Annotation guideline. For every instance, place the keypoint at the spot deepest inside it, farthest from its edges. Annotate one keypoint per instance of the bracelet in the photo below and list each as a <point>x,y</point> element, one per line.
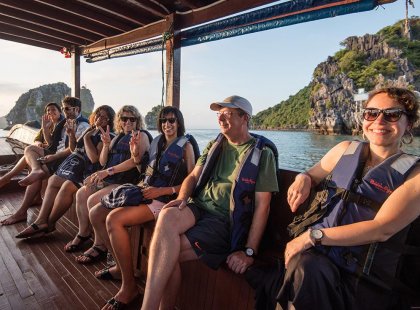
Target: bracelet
<point>110,171</point>
<point>173,190</point>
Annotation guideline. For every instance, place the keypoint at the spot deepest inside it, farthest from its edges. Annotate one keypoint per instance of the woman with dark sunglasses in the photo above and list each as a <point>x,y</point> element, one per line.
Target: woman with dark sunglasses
<point>172,158</point>
<point>118,168</point>
<point>349,252</point>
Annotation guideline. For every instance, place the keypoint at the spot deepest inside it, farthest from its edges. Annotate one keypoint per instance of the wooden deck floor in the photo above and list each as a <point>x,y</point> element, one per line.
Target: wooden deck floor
<point>38,274</point>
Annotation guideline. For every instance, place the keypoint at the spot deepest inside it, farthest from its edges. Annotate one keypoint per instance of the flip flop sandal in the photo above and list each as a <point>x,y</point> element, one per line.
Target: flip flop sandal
<point>91,258</point>
<point>119,305</point>
<point>69,248</point>
<point>104,274</point>
<point>36,231</point>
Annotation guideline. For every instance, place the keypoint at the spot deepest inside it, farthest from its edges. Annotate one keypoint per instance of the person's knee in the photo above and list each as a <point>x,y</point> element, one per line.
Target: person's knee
<point>54,181</point>
<point>169,219</point>
<point>96,214</point>
<point>112,222</point>
<point>312,266</point>
<point>81,195</point>
<point>91,202</point>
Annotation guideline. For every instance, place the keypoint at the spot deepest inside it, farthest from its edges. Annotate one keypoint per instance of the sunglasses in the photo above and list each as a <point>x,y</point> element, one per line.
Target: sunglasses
<point>227,114</point>
<point>124,119</point>
<point>68,108</point>
<point>171,120</point>
<point>390,115</point>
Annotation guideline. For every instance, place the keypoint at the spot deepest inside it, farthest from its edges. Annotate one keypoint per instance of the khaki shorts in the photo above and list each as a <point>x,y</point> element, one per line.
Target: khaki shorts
<point>156,206</point>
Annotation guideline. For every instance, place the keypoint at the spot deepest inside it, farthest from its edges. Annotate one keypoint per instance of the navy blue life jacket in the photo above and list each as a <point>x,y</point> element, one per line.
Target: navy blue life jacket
<point>119,151</point>
<point>352,198</point>
<point>166,167</point>
<point>243,189</point>
<point>56,134</point>
<point>81,150</point>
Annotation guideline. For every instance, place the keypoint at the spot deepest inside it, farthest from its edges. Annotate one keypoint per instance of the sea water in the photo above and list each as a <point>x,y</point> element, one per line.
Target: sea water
<point>298,150</point>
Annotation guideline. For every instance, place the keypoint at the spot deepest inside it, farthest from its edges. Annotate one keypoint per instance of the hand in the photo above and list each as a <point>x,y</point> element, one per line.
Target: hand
<point>135,143</point>
<point>238,262</point>
<point>296,246</point>
<point>46,122</point>
<point>152,192</point>
<point>178,203</point>
<point>70,126</point>
<point>299,191</point>
<point>105,137</point>
<point>47,159</point>
<point>96,178</point>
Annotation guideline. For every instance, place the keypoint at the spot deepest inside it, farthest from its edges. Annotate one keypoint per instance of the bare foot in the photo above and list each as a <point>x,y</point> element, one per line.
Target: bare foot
<point>13,219</point>
<point>35,175</point>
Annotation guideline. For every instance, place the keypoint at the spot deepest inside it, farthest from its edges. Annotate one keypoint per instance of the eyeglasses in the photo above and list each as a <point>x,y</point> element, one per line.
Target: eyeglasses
<point>68,108</point>
<point>390,115</point>
<point>171,120</point>
<point>124,119</point>
<point>228,114</point>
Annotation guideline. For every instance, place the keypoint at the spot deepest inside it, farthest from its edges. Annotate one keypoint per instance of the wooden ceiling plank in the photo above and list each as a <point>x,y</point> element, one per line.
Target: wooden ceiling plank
<point>126,13</point>
<point>159,13</point>
<point>43,22</point>
<point>187,20</point>
<point>42,30</point>
<point>7,29</point>
<point>58,16</point>
<point>220,10</point>
<point>31,42</point>
<point>140,34</point>
<point>87,12</point>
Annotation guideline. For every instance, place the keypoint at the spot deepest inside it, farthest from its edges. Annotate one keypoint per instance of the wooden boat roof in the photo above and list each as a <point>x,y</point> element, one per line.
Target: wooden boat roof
<point>96,25</point>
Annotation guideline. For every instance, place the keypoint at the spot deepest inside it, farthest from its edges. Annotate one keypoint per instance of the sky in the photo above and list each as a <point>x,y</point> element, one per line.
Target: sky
<point>265,67</point>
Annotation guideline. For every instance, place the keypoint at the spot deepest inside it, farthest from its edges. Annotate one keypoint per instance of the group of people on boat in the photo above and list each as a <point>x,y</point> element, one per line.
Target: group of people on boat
<point>355,243</point>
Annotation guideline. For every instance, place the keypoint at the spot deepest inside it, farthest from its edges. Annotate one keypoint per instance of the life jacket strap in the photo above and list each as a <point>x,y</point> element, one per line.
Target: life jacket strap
<point>349,196</point>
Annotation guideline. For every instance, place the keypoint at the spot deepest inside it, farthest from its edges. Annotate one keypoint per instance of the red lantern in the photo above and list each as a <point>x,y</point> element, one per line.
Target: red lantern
<point>66,52</point>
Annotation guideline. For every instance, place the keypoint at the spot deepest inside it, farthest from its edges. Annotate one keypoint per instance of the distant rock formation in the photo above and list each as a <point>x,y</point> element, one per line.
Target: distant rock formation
<point>333,108</point>
<point>30,105</point>
<point>372,61</point>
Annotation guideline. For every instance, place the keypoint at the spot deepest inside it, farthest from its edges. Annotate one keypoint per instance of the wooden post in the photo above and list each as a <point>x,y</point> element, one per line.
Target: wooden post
<point>173,65</point>
<point>75,66</point>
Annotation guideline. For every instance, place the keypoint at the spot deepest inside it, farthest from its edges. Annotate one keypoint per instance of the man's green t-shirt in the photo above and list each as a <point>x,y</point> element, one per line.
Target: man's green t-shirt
<point>215,196</point>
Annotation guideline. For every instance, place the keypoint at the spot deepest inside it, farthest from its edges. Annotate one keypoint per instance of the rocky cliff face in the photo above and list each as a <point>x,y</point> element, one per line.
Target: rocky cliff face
<point>30,105</point>
<point>333,109</point>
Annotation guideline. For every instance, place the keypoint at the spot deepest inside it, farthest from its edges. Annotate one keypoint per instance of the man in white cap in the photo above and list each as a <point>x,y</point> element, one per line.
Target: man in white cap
<point>204,222</point>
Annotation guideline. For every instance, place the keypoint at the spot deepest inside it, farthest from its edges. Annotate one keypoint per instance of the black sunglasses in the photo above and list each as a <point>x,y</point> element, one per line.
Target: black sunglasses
<point>124,119</point>
<point>171,120</point>
<point>390,115</point>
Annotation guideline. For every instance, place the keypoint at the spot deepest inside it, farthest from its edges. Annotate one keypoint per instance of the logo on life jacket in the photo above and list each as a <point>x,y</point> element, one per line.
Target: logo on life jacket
<point>248,180</point>
<point>172,154</point>
<point>380,186</point>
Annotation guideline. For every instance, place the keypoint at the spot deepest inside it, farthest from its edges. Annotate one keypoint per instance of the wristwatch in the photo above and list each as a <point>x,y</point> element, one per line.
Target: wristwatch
<point>316,236</point>
<point>249,252</point>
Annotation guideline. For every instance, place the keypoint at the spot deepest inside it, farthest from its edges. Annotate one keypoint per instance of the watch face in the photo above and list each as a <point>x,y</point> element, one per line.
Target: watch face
<point>317,234</point>
<point>249,252</point>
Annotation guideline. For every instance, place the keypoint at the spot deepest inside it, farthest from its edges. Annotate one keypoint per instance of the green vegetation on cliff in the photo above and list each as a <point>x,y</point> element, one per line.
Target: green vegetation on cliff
<point>291,113</point>
<point>151,117</point>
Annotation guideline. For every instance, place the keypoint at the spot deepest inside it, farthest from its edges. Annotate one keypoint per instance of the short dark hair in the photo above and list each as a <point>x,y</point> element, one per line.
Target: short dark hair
<point>403,96</point>
<point>52,104</point>
<point>179,118</point>
<point>73,102</point>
